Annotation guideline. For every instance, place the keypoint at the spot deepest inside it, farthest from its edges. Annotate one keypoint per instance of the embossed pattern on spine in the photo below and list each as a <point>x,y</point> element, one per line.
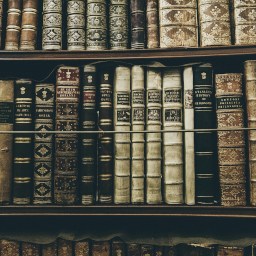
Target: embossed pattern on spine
<point>172,141</point>
<point>230,251</point>
<point>49,249</point>
<point>65,247</point>
<point>101,248</point>
<point>122,141</point>
<point>154,140</point>
<point>52,25</point>
<point>1,21</point>
<point>10,248</point>
<point>214,21</point>
<point>118,247</point>
<point>66,144</point>
<point>133,249</point>
<point>43,143</point>
<point>147,250</point>
<point>30,249</point>
<point>178,23</point>
<point>82,248</point>
<point>231,144</point>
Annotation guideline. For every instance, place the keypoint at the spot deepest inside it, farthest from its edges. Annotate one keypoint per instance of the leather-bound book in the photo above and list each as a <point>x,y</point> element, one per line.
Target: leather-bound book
<point>171,251</point>
<point>138,139</point>
<point>1,21</point>
<point>52,25</point>
<point>153,139</point>
<point>50,249</point>
<point>158,250</point>
<point>30,249</point>
<point>138,24</point>
<point>147,250</point>
<point>23,147</point>
<point>6,140</point>
<point>231,144</point>
<point>12,37</point>
<point>65,247</point>
<point>9,248</point>
<point>173,141</point>
<point>133,249</point>
<point>214,22</point>
<point>100,248</point>
<point>230,251</point>
<point>43,143</point>
<point>105,141</point>
<point>66,144</point>
<point>96,31</point>
<point>118,24</point>
<point>88,119</point>
<point>76,25</point>
<point>206,141</point>
<point>195,250</point>
<point>82,248</point>
<point>28,37</point>
<point>152,24</point>
<point>118,247</point>
<point>178,23</point>
<point>122,141</point>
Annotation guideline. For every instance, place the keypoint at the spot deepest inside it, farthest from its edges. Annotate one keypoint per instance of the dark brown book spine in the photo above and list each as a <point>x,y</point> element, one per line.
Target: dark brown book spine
<point>9,248</point>
<point>133,249</point>
<point>1,21</point>
<point>118,247</point>
<point>29,249</point>
<point>147,250</point>
<point>230,251</point>
<point>101,248</point>
<point>82,248</point>
<point>50,249</point>
<point>158,250</point>
<point>65,247</point>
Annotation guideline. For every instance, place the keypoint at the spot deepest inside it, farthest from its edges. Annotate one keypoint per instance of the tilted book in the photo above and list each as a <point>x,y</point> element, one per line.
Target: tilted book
<point>10,248</point>
<point>230,251</point>
<point>101,248</point>
<point>30,249</point>
<point>49,249</point>
<point>231,144</point>
<point>66,144</point>
<point>173,179</point>
<point>122,141</point>
<point>65,247</point>
<point>82,248</point>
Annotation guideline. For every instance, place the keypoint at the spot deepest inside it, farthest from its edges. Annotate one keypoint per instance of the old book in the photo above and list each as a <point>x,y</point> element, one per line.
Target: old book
<point>12,38</point>
<point>171,251</point>
<point>214,22</point>
<point>147,250</point>
<point>138,139</point>
<point>65,247</point>
<point>178,23</point>
<point>172,141</point>
<point>158,250</point>
<point>195,250</point>
<point>1,21</point>
<point>82,248</point>
<point>52,25</point>
<point>49,249</point>
<point>189,143</point>
<point>43,143</point>
<point>230,251</point>
<point>30,249</point>
<point>9,248</point>
<point>88,119</point>
<point>231,144</point>
<point>76,25</point>
<point>154,138</point>
<point>122,141</point>
<point>23,142</point>
<point>96,33</point>
<point>66,144</point>
<point>205,141</point>
<point>6,140</point>
<point>105,141</point>
<point>152,24</point>
<point>133,249</point>
<point>118,24</point>
<point>100,248</point>
<point>118,247</point>
<point>28,37</point>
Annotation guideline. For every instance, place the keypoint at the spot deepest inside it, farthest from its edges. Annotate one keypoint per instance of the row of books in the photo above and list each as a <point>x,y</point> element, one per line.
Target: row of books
<point>123,24</point>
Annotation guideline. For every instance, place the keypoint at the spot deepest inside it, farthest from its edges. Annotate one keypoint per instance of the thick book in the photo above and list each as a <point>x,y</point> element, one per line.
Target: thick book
<point>230,251</point>
<point>231,144</point>
<point>205,141</point>
<point>214,22</point>
<point>118,247</point>
<point>138,139</point>
<point>24,92</point>
<point>66,144</point>
<point>65,247</point>
<point>133,249</point>
<point>96,30</point>
<point>82,248</point>
<point>118,24</point>
<point>12,37</point>
<point>52,25</point>
<point>88,119</point>
<point>154,137</point>
<point>178,23</point>
<point>173,179</point>
<point>30,249</point>
<point>189,142</point>
<point>6,140</point>
<point>76,25</point>
<point>9,248</point>
<point>50,249</point>
<point>100,248</point>
<point>43,143</point>
<point>122,137</point>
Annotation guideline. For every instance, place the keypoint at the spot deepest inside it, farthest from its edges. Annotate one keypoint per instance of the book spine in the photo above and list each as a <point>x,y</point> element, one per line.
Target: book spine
<point>9,248</point>
<point>147,250</point>
<point>159,250</point>
<point>66,144</point>
<point>230,251</point>
<point>65,247</point>
<point>189,152</point>
<point>231,144</point>
<point>118,247</point>
<point>1,21</point>
<point>138,139</point>
<point>52,25</point>
<point>29,249</point>
<point>178,23</point>
<point>50,249</point>
<point>133,249</point>
<point>88,171</point>
<point>214,21</point>
<point>154,139</point>
<point>76,25</point>
<point>23,147</point>
<point>138,22</point>
<point>43,143</point>
<point>118,24</point>
<point>122,141</point>
<point>172,141</point>
<point>206,141</point>
<point>105,148</point>
<point>13,25</point>
<point>6,140</point>
<point>82,248</point>
<point>152,24</point>
<point>28,37</point>
<point>101,248</point>
<point>96,34</point>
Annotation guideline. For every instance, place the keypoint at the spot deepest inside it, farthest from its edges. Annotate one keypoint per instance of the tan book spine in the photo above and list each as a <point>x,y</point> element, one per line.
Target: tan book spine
<point>30,249</point>
<point>9,248</point>
<point>82,248</point>
<point>49,249</point>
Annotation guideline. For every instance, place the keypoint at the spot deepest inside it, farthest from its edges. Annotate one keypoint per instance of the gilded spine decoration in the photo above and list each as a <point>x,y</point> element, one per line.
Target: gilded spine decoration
<point>49,249</point>
<point>30,249</point>
<point>65,247</point>
<point>10,248</point>
<point>101,248</point>
<point>1,22</point>
<point>82,248</point>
